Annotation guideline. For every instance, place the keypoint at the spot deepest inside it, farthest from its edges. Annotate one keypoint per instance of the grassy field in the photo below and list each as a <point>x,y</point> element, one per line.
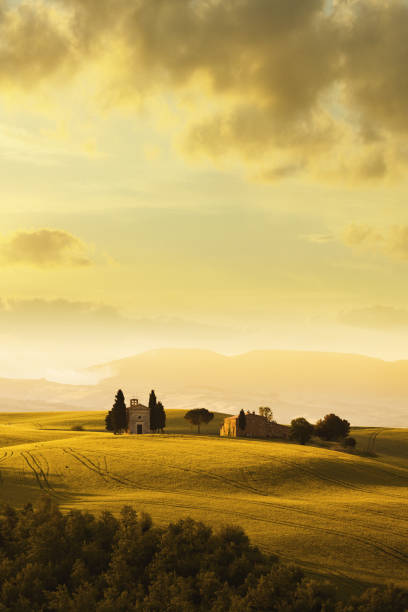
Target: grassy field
<point>341,515</point>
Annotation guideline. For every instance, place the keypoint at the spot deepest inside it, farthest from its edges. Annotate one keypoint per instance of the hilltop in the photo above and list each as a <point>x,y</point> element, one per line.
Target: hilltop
<point>365,390</point>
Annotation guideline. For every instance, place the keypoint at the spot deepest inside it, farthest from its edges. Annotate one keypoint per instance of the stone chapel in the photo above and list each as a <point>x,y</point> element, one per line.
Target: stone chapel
<point>138,418</point>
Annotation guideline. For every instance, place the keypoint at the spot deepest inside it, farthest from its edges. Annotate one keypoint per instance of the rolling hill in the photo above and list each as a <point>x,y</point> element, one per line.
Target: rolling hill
<point>304,503</point>
<point>364,390</point>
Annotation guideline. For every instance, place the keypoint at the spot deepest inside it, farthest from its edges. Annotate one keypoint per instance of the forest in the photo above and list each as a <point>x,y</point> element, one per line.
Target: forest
<point>50,561</point>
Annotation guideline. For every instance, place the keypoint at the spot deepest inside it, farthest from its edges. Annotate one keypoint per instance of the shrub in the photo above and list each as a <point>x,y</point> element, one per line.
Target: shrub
<point>77,428</point>
<point>349,442</point>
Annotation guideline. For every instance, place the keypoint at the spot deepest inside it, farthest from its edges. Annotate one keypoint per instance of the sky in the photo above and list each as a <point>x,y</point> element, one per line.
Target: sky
<point>229,175</point>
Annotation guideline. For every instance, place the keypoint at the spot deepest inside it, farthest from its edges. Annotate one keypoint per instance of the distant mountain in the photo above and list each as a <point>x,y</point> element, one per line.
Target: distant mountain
<point>365,390</point>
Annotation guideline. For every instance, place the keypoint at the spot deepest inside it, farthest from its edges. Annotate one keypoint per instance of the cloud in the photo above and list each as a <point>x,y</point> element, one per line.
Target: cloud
<point>37,314</point>
<point>34,44</point>
<point>320,238</point>
<point>285,87</point>
<point>37,309</point>
<point>44,248</point>
<point>53,330</point>
<point>391,242</point>
<point>376,44</point>
<point>51,321</point>
<point>375,317</point>
<point>360,235</point>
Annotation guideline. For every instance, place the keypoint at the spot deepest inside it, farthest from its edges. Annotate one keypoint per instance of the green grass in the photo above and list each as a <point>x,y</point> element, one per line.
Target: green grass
<point>338,514</point>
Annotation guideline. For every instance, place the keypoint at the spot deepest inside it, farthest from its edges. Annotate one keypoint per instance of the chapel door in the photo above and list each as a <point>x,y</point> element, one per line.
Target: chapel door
<point>139,428</point>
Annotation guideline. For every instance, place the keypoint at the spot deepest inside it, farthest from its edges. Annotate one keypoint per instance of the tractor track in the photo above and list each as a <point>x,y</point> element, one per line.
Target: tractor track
<point>280,506</point>
<point>373,438</point>
<point>90,465</point>
<point>41,477</point>
<point>108,476</point>
<point>33,470</point>
<point>6,455</point>
<point>251,489</point>
<point>385,549</point>
<point>104,473</point>
<point>126,481</point>
<point>340,483</point>
<point>235,483</point>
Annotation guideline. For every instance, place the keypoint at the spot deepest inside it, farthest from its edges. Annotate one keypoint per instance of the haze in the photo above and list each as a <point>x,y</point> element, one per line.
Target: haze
<point>227,175</point>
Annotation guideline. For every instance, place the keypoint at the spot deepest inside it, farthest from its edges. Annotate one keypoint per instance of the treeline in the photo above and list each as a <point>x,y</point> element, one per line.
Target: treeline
<point>54,562</point>
<point>330,428</point>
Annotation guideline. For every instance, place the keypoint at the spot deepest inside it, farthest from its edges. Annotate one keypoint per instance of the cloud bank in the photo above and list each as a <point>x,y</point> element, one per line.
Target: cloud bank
<point>285,87</point>
<point>44,248</point>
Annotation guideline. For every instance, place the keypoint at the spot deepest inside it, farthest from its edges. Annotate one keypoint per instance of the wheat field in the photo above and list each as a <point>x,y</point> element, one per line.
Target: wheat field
<point>340,515</point>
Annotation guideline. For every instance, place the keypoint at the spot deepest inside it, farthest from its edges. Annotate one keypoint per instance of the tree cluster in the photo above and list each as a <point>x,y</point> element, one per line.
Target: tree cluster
<point>157,414</point>
<point>116,419</point>
<point>54,562</point>
<point>331,427</point>
<point>197,416</point>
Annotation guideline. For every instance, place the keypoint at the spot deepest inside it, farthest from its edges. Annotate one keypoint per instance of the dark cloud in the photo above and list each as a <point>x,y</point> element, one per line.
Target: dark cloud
<point>375,46</point>
<point>33,45</point>
<point>281,78</point>
<point>43,248</point>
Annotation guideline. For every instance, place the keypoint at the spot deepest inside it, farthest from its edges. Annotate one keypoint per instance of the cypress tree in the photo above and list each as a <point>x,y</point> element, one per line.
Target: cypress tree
<point>153,411</point>
<point>109,421</point>
<point>161,417</point>
<point>242,420</point>
<point>119,416</point>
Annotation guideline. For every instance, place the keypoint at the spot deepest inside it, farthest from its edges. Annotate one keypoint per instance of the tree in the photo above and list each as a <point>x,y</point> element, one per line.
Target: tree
<point>161,417</point>
<point>266,412</point>
<point>153,411</point>
<point>242,420</point>
<point>198,416</point>
<point>332,427</point>
<point>301,430</point>
<point>108,421</point>
<point>118,413</point>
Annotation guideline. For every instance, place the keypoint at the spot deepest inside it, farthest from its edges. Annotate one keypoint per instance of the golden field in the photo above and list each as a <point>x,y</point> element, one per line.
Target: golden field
<point>337,514</point>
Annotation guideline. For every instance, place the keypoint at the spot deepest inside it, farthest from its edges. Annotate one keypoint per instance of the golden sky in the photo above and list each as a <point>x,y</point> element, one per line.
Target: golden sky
<point>224,174</point>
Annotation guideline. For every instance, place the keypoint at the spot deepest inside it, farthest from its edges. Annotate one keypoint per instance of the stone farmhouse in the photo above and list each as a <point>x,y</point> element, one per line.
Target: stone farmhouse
<point>257,426</point>
<point>138,418</point>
